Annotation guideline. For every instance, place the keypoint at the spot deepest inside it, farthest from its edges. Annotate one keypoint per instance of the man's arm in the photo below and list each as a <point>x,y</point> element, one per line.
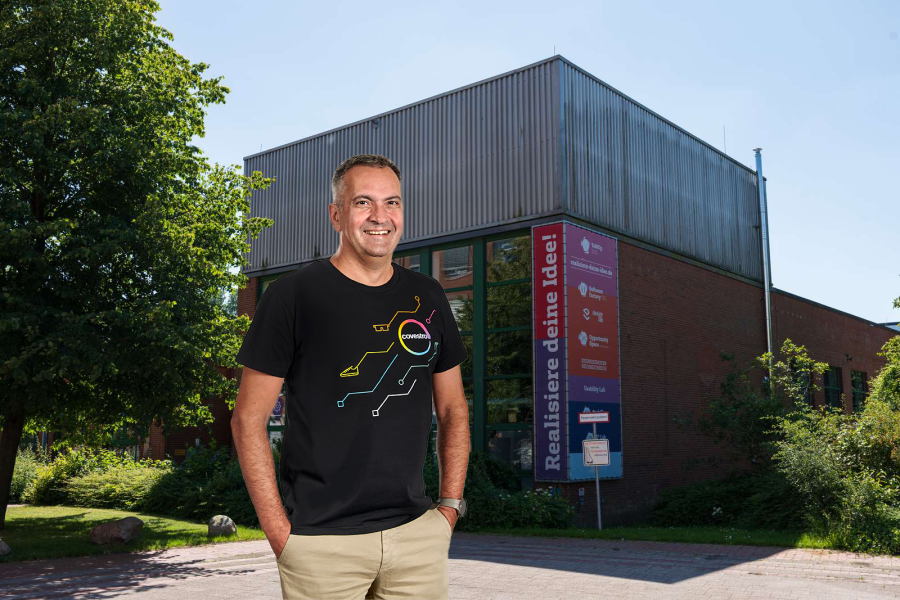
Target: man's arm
<point>256,399</point>
<point>452,413</point>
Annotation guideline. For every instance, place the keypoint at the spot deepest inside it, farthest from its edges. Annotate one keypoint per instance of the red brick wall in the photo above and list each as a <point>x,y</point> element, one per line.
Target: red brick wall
<point>674,320</point>
<point>830,337</point>
<point>247,297</point>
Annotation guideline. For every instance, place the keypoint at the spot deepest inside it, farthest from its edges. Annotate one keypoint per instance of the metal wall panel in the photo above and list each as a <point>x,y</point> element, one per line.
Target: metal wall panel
<point>628,169</point>
<point>543,138</point>
<point>470,158</point>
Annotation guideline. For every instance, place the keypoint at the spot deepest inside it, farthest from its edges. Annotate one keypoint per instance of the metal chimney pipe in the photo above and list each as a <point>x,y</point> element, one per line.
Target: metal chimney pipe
<point>767,276</point>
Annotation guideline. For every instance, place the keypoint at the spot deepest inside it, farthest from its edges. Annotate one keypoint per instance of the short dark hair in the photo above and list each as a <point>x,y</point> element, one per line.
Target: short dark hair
<point>369,160</point>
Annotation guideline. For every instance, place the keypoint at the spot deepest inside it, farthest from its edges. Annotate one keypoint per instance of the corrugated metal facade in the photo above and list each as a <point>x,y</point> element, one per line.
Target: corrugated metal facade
<point>479,155</point>
<point>493,152</point>
<point>628,169</point>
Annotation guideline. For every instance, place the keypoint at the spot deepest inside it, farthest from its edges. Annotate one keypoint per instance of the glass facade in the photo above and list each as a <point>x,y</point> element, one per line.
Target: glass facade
<point>487,281</point>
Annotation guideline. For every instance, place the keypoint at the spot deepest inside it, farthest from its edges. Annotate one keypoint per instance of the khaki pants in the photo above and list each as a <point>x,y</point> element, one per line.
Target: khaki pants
<point>408,561</point>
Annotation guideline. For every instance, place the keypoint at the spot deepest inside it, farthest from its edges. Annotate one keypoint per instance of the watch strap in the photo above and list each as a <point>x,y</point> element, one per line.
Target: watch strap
<point>453,503</point>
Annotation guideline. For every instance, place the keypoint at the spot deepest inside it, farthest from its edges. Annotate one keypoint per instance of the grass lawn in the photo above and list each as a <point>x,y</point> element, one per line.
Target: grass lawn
<point>698,535</point>
<point>57,531</point>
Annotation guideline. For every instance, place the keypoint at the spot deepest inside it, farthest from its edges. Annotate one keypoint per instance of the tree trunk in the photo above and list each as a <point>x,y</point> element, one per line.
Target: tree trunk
<point>9,446</point>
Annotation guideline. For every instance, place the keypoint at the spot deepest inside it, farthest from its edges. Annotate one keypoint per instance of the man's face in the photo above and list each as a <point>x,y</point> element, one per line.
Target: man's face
<point>372,203</point>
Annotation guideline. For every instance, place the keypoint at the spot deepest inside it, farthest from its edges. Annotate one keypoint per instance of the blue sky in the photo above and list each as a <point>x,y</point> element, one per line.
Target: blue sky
<point>815,84</point>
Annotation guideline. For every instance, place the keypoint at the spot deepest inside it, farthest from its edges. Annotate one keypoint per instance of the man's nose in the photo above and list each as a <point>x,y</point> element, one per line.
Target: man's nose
<point>379,214</point>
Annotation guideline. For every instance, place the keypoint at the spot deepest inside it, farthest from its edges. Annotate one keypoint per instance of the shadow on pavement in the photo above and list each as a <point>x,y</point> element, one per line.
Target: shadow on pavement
<point>110,575</point>
<point>658,562</point>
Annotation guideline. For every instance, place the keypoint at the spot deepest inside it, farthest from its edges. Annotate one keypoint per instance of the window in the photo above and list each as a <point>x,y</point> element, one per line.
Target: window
<point>509,258</point>
<point>265,283</point>
<point>508,384</point>
<point>858,382</point>
<point>454,268</point>
<point>832,387</point>
<point>803,380</point>
<point>810,398</point>
<point>410,261</point>
<point>454,264</point>
<point>514,447</point>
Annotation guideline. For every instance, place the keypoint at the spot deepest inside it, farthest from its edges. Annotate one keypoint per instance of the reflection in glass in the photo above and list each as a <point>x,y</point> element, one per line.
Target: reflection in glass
<point>411,262</point>
<point>509,352</point>
<point>469,389</point>
<point>509,258</point>
<point>465,368</point>
<point>463,308</point>
<point>266,282</point>
<point>509,305</point>
<point>512,447</point>
<point>509,400</point>
<point>453,267</point>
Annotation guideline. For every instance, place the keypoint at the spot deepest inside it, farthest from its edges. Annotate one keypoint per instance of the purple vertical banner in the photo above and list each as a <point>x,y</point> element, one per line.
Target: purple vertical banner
<point>592,331</point>
<point>551,450</point>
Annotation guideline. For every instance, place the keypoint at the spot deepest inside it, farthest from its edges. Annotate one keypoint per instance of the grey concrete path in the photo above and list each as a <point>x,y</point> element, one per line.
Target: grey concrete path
<point>486,566</point>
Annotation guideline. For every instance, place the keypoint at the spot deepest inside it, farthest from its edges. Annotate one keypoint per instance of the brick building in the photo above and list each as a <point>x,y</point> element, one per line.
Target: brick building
<point>549,143</point>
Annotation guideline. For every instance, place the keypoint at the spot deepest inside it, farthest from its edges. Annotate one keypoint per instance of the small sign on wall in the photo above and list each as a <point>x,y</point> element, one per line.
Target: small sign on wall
<point>279,407</point>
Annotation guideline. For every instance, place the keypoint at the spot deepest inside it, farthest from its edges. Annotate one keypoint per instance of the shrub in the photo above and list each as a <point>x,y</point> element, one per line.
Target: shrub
<point>123,487</point>
<point>846,468</point>
<point>208,482</point>
<point>493,494</point>
<point>755,500</point>
<point>50,484</point>
<point>28,463</point>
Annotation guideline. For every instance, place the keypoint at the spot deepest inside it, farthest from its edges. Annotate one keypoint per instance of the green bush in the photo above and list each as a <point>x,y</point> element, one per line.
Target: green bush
<point>123,487</point>
<point>207,483</point>
<point>28,463</point>
<point>749,500</point>
<point>50,486</point>
<point>846,469</point>
<point>494,495</point>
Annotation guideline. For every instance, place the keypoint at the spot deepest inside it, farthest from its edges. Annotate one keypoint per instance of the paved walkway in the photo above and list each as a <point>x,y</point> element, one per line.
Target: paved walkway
<point>486,567</point>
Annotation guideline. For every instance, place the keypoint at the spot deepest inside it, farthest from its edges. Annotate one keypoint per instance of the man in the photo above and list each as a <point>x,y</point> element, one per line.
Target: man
<point>364,346</point>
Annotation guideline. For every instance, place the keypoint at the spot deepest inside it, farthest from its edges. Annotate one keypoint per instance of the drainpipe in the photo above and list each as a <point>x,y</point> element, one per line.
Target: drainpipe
<point>767,282</point>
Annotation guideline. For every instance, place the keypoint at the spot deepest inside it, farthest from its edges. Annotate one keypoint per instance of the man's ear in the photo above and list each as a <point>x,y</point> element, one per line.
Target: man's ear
<point>334,216</point>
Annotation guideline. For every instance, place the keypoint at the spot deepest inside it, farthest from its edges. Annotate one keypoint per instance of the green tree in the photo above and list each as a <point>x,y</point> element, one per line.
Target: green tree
<point>117,237</point>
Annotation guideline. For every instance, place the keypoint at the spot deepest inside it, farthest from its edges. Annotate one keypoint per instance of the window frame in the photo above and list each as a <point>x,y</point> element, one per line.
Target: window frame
<point>833,386</point>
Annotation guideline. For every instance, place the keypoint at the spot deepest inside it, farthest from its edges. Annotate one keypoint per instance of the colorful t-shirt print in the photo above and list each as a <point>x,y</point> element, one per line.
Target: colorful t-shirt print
<point>357,362</point>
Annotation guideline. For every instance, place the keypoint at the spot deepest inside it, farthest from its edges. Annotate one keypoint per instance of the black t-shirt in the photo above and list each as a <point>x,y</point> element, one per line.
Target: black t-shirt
<point>357,362</point>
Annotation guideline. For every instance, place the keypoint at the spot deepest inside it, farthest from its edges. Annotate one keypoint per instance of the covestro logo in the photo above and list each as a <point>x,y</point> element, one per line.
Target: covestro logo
<point>413,334</point>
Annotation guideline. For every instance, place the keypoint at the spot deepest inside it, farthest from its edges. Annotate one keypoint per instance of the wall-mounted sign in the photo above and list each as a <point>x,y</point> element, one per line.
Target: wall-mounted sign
<point>575,300</point>
<point>279,407</point>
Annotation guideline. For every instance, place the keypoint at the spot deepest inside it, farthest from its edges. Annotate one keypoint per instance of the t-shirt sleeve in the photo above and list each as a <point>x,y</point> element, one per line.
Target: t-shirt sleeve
<point>452,351</point>
<point>269,344</point>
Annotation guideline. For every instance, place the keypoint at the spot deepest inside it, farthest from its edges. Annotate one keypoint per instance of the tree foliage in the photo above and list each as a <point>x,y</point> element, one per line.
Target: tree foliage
<point>117,236</point>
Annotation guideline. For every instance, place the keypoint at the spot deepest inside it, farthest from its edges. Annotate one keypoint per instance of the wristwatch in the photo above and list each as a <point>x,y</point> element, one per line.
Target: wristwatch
<point>458,504</point>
